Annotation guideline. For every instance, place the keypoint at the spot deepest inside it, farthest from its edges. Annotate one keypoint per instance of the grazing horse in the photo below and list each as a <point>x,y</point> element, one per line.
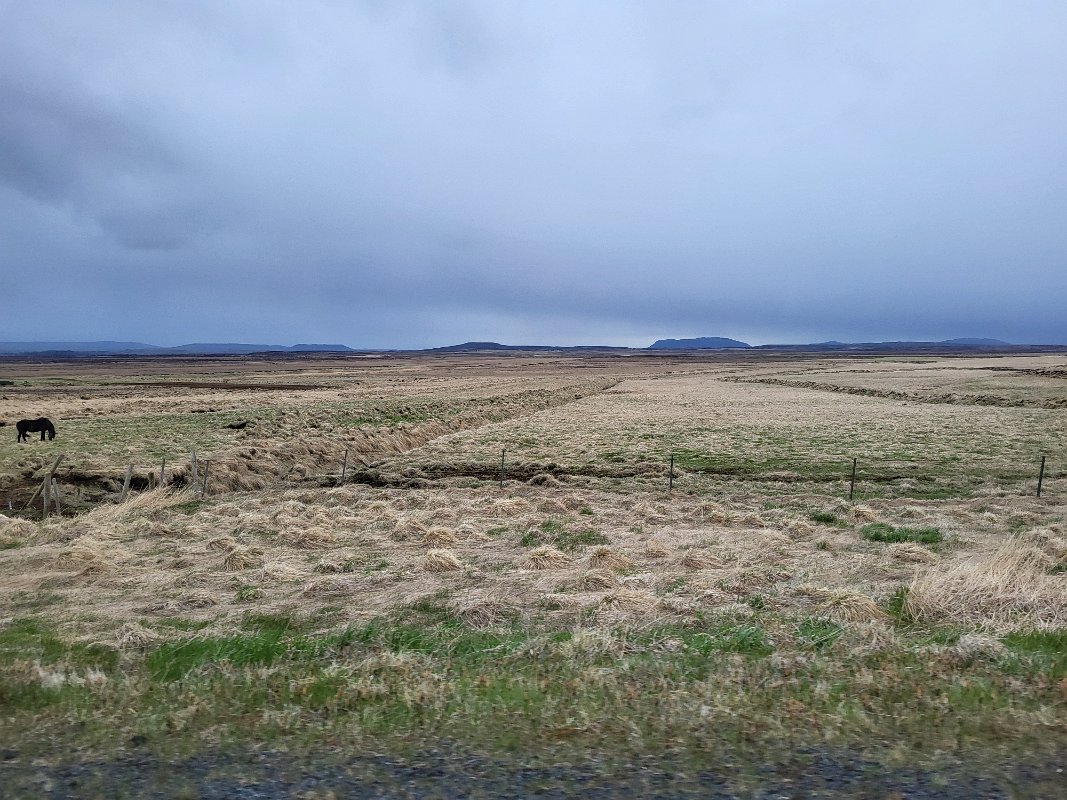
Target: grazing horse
<point>42,424</point>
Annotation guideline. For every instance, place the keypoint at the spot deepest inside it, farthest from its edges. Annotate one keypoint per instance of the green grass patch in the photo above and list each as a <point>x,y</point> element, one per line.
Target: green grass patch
<point>825,518</point>
<point>883,532</point>
<point>1048,649</point>
<point>555,533</point>
<point>818,632</point>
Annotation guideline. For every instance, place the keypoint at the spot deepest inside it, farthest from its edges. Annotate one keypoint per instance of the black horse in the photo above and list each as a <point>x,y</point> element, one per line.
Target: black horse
<point>43,424</point>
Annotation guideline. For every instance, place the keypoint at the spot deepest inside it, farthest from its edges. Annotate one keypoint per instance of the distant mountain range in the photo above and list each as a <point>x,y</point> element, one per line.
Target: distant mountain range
<point>76,349</point>
<point>718,343</point>
<point>140,348</point>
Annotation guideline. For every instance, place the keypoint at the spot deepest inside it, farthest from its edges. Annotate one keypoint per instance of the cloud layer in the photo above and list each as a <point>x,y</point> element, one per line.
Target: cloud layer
<point>414,174</point>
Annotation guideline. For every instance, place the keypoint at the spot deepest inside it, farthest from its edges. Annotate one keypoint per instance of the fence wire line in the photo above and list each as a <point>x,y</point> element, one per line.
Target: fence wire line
<point>672,470</point>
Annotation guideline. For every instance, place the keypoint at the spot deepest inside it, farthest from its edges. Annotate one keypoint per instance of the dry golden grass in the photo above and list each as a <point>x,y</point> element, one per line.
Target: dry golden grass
<point>606,558</point>
<point>545,557</point>
<point>718,540</point>
<point>631,600</point>
<point>911,552</point>
<point>438,536</point>
<point>441,561</point>
<point>1005,589</point>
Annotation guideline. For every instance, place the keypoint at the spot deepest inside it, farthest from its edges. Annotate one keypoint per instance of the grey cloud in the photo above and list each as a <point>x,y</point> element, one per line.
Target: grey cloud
<point>412,173</point>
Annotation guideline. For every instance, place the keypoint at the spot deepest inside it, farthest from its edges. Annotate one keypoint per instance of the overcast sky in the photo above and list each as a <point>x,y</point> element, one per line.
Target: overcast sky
<point>395,174</point>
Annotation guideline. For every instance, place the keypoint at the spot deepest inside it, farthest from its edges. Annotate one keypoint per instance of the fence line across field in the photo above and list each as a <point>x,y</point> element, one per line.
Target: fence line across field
<point>50,492</point>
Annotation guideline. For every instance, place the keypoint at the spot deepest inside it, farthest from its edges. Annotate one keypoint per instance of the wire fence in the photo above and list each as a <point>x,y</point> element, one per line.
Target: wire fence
<point>681,469</point>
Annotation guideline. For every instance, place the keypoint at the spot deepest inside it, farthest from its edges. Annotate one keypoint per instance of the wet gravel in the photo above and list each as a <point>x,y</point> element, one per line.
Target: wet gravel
<point>271,776</point>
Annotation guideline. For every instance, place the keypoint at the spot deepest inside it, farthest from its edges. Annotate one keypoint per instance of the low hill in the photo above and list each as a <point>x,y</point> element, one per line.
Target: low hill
<point>140,348</point>
<point>700,343</point>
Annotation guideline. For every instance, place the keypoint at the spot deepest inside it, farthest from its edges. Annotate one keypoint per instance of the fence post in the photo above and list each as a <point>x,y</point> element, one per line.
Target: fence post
<point>852,483</point>
<point>344,466</point>
<point>46,499</point>
<point>502,467</point>
<point>207,469</point>
<point>55,495</point>
<point>670,476</point>
<point>1041,476</point>
<point>192,457</point>
<point>162,470</point>
<point>126,483</point>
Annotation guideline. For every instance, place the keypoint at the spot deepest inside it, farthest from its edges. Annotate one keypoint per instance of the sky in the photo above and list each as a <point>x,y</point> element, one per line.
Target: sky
<point>411,174</point>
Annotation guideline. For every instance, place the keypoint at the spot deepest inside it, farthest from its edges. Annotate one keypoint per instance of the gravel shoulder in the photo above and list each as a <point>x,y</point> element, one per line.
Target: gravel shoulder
<point>276,775</point>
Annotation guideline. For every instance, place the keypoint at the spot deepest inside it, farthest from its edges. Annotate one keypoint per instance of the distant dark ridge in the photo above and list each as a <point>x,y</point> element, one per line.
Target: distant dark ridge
<point>700,343</point>
<point>947,344</point>
<point>474,347</point>
<point>75,347</point>
<point>68,349</point>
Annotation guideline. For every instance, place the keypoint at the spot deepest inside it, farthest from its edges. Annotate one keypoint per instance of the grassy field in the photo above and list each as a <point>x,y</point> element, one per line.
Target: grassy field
<point>578,610</point>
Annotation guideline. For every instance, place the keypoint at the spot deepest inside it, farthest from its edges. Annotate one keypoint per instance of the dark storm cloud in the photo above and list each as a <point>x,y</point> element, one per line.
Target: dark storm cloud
<point>419,173</point>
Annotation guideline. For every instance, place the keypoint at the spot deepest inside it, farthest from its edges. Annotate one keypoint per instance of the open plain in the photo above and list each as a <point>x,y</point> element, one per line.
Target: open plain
<point>539,559</point>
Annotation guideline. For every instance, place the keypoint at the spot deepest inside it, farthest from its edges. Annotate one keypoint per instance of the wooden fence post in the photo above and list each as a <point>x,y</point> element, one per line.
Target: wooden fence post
<point>192,457</point>
<point>126,483</point>
<point>46,499</point>
<point>162,470</point>
<point>55,495</point>
<point>852,483</point>
<point>344,466</point>
<point>670,476</point>
<point>1041,476</point>
<point>207,470</point>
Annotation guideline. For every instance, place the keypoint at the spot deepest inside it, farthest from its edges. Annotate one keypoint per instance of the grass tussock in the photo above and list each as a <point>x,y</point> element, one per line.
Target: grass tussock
<point>481,609</point>
<point>846,605</point>
<point>639,601</point>
<point>1007,589</point>
<point>545,557</point>
<point>134,636</point>
<point>439,536</point>
<point>441,561</point>
<point>592,580</point>
<point>240,558</point>
<point>694,559</point>
<point>606,558</point>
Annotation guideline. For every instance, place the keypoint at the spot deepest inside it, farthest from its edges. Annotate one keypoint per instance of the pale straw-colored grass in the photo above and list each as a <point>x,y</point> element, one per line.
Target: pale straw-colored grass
<point>545,557</point>
<point>912,552</point>
<point>441,561</point>
<point>606,558</point>
<point>1006,589</point>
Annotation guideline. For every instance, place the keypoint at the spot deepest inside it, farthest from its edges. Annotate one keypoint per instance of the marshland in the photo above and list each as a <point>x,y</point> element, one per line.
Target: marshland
<point>541,559</point>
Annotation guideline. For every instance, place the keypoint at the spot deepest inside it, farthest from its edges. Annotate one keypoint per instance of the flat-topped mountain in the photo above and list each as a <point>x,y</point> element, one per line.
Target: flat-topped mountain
<point>700,343</point>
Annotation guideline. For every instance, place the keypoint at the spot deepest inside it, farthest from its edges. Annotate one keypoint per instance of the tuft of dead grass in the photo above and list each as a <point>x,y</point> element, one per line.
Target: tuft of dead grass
<point>606,558</point>
<point>441,561</point>
<point>848,605</point>
<point>1003,590</point>
<point>134,636</point>
<point>546,557</point>
<point>313,537</point>
<point>240,558</point>
<point>913,553</point>
<point>593,580</point>
<point>439,536</point>
<point>694,559</point>
<point>630,600</point>
<point>481,609</point>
